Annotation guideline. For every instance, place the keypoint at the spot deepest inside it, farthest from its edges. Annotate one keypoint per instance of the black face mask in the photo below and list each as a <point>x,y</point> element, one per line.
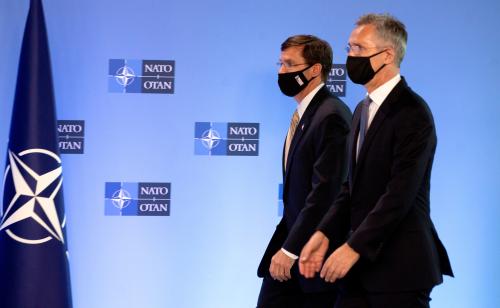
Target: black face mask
<point>360,69</point>
<point>292,83</point>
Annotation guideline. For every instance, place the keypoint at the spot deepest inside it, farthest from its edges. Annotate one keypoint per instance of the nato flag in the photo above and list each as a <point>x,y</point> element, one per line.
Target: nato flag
<point>34,270</point>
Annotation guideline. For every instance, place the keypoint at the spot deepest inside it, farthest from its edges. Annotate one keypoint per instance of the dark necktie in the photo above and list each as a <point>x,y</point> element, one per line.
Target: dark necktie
<point>363,123</point>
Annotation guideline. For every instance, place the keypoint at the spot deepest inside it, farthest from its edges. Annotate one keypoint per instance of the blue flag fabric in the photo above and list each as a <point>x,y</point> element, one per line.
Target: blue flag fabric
<point>34,271</point>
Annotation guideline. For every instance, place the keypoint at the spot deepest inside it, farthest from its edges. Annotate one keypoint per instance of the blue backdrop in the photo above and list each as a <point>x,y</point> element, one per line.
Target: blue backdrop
<point>224,208</point>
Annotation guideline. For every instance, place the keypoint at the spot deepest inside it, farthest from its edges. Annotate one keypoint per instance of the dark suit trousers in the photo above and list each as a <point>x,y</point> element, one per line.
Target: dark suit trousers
<point>414,299</point>
<point>353,295</point>
<point>288,294</point>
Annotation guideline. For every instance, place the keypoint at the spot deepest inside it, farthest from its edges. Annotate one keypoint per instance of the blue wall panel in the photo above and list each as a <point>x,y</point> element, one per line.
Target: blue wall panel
<point>224,208</point>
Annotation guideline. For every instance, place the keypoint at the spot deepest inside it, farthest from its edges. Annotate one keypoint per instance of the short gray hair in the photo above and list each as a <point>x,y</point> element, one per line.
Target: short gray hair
<point>389,29</point>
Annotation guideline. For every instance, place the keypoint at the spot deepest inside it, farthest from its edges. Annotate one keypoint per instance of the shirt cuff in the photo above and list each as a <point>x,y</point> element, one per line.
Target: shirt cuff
<point>289,254</point>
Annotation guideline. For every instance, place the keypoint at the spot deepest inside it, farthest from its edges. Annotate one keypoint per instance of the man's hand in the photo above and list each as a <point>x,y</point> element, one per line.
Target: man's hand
<point>313,254</point>
<point>339,263</point>
<point>280,266</point>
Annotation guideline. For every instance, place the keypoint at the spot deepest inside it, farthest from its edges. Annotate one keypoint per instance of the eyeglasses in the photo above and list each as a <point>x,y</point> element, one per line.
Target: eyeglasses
<point>288,65</point>
<point>357,49</point>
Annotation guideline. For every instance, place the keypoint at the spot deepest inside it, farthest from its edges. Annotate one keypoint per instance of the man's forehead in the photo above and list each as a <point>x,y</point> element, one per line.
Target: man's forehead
<point>362,33</point>
<point>292,52</point>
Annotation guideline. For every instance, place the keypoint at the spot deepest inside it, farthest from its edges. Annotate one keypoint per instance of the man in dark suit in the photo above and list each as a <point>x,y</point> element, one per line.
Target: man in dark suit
<point>391,254</point>
<point>314,164</point>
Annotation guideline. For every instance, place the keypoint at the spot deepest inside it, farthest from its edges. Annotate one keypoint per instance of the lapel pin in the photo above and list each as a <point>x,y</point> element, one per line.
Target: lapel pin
<point>302,127</point>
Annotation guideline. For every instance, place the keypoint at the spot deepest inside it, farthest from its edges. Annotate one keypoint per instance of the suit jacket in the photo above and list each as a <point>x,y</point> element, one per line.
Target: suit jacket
<point>386,198</point>
<point>316,168</point>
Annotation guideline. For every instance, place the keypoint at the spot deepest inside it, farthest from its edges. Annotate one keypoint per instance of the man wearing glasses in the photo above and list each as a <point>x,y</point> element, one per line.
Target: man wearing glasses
<point>392,256</point>
<point>314,167</point>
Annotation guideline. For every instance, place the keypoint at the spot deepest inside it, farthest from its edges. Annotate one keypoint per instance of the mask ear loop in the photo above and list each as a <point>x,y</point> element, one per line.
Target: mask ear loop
<point>380,68</point>
<point>307,69</point>
<point>376,55</point>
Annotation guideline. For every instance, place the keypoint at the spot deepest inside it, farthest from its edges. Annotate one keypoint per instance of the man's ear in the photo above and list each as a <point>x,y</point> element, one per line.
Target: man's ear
<point>390,56</point>
<point>316,69</point>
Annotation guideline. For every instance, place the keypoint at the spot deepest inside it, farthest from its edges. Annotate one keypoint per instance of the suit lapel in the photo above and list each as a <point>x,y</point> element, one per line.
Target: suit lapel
<point>303,125</point>
<point>283,159</point>
<point>372,131</point>
<point>377,121</point>
<point>354,142</point>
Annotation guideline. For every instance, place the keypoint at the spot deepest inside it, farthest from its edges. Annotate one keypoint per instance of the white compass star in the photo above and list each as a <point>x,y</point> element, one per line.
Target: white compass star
<point>125,76</point>
<point>27,210</point>
<point>210,139</point>
<point>121,199</point>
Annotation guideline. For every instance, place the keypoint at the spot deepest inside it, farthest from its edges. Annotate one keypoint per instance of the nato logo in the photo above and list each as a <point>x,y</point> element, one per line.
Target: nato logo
<point>280,200</point>
<point>30,214</point>
<point>137,199</point>
<point>141,76</point>
<point>336,81</point>
<point>71,136</point>
<point>231,139</point>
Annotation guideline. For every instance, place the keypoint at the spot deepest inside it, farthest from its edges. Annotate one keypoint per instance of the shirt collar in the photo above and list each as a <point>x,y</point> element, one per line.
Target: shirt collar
<point>302,106</point>
<point>379,95</point>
